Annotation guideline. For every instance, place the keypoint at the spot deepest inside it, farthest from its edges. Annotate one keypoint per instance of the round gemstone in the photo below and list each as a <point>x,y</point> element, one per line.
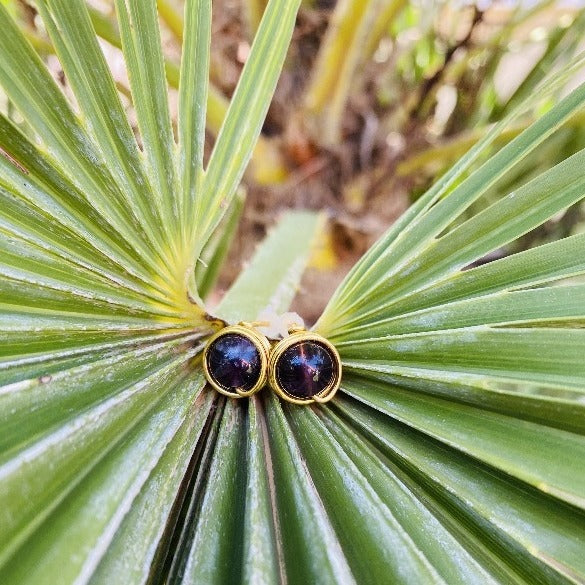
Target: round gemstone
<point>305,369</point>
<point>234,362</point>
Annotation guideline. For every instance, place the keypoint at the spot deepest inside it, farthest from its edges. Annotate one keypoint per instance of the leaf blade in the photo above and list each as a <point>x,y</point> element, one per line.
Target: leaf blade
<point>245,116</point>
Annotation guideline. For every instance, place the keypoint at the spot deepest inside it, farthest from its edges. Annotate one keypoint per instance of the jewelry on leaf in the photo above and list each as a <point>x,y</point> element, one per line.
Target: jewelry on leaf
<point>304,368</point>
<point>235,360</point>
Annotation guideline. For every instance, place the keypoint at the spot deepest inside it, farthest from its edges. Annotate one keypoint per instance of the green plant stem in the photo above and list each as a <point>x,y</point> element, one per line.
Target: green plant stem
<point>213,255</point>
<point>272,278</point>
<point>354,25</point>
<point>253,10</point>
<point>171,18</point>
<point>562,44</point>
<point>483,104</point>
<point>446,152</point>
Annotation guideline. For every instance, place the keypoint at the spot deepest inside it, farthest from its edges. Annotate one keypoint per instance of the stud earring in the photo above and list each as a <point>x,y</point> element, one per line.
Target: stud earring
<point>304,368</point>
<point>235,360</point>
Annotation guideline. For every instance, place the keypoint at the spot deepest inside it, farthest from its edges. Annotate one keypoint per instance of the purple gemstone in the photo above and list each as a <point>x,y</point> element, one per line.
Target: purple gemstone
<point>233,362</point>
<point>305,369</point>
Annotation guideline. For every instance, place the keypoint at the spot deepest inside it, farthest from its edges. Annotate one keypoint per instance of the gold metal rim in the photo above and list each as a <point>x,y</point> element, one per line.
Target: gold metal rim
<point>300,336</point>
<point>262,345</point>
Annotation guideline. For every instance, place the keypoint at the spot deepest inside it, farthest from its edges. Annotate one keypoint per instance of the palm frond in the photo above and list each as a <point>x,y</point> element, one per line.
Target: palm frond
<point>452,452</point>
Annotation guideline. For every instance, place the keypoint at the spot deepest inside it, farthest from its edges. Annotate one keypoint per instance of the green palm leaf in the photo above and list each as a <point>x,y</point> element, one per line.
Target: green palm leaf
<point>453,452</point>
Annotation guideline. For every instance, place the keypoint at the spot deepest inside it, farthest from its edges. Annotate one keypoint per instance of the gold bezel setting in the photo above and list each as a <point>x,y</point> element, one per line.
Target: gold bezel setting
<point>299,337</point>
<point>258,340</point>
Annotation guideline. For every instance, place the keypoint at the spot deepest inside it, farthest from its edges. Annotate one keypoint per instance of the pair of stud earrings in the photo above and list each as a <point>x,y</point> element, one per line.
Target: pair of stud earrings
<point>301,368</point>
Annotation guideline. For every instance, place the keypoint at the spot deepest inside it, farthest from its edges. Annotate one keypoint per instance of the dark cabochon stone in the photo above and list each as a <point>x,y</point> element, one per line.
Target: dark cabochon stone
<point>233,362</point>
<point>305,369</point>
